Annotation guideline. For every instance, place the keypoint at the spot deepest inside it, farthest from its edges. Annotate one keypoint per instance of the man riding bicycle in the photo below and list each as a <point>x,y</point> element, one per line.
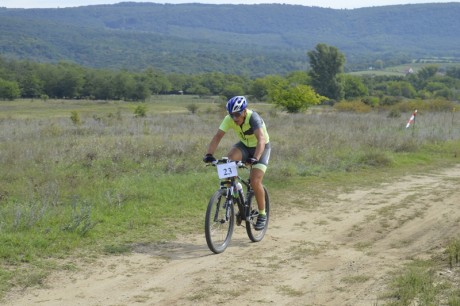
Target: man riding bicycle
<point>253,147</point>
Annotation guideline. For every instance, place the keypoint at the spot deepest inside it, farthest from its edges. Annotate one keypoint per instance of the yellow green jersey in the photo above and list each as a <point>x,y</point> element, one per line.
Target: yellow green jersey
<point>245,132</point>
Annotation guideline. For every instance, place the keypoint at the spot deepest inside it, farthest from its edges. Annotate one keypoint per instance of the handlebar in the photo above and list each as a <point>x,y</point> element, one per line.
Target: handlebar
<point>225,160</point>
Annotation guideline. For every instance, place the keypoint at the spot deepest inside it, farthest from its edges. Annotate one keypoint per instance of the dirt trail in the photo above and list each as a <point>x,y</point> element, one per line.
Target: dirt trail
<point>338,253</point>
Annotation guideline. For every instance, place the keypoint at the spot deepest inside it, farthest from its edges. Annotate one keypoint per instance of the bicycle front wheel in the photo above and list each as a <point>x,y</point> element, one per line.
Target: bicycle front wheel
<point>219,222</point>
<point>254,235</point>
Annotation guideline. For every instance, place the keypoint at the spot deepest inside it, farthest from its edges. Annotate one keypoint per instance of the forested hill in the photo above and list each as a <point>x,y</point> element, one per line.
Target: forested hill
<point>242,39</point>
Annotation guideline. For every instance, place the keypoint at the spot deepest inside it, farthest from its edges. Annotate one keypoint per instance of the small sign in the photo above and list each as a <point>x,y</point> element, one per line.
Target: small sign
<point>227,170</point>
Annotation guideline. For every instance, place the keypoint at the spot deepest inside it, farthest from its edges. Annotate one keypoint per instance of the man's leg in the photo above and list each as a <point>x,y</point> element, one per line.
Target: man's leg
<point>235,154</point>
<point>257,176</point>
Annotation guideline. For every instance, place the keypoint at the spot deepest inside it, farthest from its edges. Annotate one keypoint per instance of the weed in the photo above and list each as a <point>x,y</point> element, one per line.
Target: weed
<point>117,249</point>
<point>75,118</point>
<point>375,159</point>
<point>192,108</point>
<point>453,251</point>
<point>81,222</point>
<point>140,111</point>
<point>454,299</point>
<point>289,291</point>
<point>415,283</point>
<point>394,113</point>
<point>356,279</point>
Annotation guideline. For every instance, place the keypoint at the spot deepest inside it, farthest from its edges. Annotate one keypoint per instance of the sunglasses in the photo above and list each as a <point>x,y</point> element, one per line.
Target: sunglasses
<point>236,114</point>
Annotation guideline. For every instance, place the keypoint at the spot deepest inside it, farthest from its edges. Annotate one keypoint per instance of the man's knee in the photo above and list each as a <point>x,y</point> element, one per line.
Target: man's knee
<point>235,154</point>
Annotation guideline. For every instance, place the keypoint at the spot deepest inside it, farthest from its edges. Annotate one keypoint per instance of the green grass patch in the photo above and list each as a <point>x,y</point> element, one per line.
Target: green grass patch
<point>415,285</point>
<point>427,282</point>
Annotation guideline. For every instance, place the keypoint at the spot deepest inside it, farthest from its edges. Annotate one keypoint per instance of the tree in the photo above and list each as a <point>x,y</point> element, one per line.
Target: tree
<point>353,87</point>
<point>453,72</point>
<point>98,85</point>
<point>30,86</point>
<point>427,72</point>
<point>326,64</point>
<point>232,90</point>
<point>400,88</point>
<point>299,78</point>
<point>294,98</point>
<point>157,81</point>
<point>199,90</point>
<point>259,87</point>
<point>9,90</point>
<point>379,64</point>
<point>214,82</point>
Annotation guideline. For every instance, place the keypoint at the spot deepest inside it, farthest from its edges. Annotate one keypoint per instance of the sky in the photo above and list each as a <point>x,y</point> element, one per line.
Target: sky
<point>335,4</point>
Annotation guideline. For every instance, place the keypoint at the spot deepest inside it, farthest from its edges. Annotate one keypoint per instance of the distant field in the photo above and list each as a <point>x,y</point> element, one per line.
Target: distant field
<point>28,108</point>
<point>402,70</point>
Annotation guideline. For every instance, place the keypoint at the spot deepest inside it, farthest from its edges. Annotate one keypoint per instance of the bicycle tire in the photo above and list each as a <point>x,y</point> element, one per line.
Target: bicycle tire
<point>254,235</point>
<point>217,230</point>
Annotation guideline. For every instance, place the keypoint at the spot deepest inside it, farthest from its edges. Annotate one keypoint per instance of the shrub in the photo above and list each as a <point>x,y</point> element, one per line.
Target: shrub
<point>9,90</point>
<point>387,100</point>
<point>140,111</point>
<point>426,105</point>
<point>75,117</point>
<point>375,159</point>
<point>453,251</point>
<point>394,113</point>
<point>352,106</point>
<point>192,108</point>
<point>372,101</point>
<point>441,105</point>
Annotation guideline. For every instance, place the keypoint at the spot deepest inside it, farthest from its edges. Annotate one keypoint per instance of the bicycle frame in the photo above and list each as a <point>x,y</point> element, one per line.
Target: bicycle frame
<point>233,195</point>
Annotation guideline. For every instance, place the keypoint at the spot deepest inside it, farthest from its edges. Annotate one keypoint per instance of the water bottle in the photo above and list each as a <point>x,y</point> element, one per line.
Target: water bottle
<point>239,187</point>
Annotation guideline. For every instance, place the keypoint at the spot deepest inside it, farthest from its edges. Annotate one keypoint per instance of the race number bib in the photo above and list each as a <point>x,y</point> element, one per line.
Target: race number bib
<point>227,170</point>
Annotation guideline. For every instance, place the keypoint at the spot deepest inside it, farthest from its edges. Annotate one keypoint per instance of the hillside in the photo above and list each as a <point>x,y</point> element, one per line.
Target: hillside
<point>242,39</point>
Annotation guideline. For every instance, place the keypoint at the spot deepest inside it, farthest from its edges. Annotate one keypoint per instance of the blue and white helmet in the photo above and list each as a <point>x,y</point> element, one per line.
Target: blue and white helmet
<point>236,104</point>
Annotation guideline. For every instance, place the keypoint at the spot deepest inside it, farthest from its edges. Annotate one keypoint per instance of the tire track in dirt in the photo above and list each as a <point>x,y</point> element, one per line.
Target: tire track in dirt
<point>339,252</point>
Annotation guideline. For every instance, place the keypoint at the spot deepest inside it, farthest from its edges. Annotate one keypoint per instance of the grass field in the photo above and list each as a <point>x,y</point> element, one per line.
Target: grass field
<point>110,179</point>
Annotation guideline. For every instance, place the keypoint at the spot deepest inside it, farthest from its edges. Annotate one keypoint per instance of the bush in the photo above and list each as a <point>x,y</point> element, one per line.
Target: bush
<point>387,100</point>
<point>140,111</point>
<point>371,101</point>
<point>441,105</point>
<point>192,108</point>
<point>352,106</point>
<point>394,113</point>
<point>9,90</point>
<point>75,117</point>
<point>437,105</point>
<point>375,159</point>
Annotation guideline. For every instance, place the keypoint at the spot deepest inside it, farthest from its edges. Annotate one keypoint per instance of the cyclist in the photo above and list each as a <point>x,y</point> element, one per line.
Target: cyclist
<point>253,147</point>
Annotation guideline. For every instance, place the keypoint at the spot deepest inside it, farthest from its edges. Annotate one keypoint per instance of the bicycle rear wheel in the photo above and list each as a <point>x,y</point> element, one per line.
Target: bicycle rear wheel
<point>254,235</point>
<point>218,227</point>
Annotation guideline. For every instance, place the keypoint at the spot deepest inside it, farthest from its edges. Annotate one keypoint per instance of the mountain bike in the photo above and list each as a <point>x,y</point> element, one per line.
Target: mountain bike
<point>230,202</point>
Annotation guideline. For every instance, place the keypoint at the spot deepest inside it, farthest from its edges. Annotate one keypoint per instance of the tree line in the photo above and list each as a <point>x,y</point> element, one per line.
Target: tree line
<point>323,81</point>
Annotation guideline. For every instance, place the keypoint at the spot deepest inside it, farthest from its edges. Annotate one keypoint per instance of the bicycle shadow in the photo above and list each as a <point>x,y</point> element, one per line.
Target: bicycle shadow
<point>178,250</point>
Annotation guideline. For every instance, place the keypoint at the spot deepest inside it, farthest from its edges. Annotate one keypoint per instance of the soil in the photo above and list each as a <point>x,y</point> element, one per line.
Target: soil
<point>340,251</point>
